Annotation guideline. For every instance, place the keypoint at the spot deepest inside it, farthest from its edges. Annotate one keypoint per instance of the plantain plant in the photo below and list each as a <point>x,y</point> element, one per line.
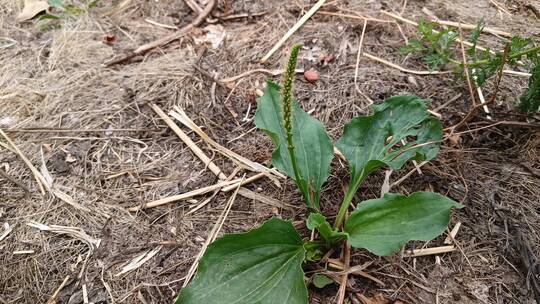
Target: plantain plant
<point>437,49</point>
<point>264,265</point>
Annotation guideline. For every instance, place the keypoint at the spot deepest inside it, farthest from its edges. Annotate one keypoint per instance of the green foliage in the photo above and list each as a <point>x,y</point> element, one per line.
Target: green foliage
<point>384,225</point>
<point>313,150</point>
<point>317,221</point>
<point>321,281</point>
<point>371,142</point>
<point>375,141</point>
<point>436,50</point>
<point>475,35</point>
<point>529,101</point>
<point>61,12</point>
<point>260,266</point>
<point>483,72</point>
<point>436,46</point>
<point>264,265</point>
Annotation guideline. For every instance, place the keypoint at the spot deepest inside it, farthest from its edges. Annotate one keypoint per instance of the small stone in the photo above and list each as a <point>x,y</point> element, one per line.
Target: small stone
<point>311,76</point>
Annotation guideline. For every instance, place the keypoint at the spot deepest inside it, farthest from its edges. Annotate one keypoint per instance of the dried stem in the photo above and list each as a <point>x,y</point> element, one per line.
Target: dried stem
<point>475,108</point>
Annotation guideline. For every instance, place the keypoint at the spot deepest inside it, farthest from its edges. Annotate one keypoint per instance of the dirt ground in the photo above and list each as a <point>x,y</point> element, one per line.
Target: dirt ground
<point>90,131</point>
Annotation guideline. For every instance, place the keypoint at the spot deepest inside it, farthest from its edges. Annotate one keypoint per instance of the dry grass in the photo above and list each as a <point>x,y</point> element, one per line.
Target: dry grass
<point>54,82</point>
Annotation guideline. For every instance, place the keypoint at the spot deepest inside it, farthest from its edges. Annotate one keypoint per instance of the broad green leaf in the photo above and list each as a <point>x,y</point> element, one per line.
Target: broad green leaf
<point>321,281</point>
<point>384,225</point>
<point>374,141</point>
<point>313,148</point>
<point>330,235</point>
<point>261,266</point>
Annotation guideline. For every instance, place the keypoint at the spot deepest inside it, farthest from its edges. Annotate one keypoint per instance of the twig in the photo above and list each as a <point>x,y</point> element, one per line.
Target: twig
<point>403,7</point>
<point>7,231</point>
<point>360,44</point>
<point>356,270</point>
<point>14,181</point>
<point>169,38</point>
<point>185,196</point>
<point>516,73</point>
<point>183,136</point>
<point>193,6</point>
<point>415,163</point>
<point>503,122</point>
<point>437,109</point>
<point>265,199</point>
<point>429,251</point>
<point>475,108</point>
<point>11,42</point>
<point>59,130</point>
<point>450,23</point>
<point>353,17</point>
<point>481,97</point>
<point>53,298</point>
<point>500,8</point>
<point>239,16</point>
<point>401,180</point>
<point>37,176</point>
<point>138,261</point>
<point>395,66</point>
<point>346,263</point>
<point>472,27</point>
<point>206,201</point>
<point>264,71</point>
<point>452,234</point>
<point>75,232</point>
<point>244,182</point>
<point>23,252</point>
<point>172,27</point>
<point>182,117</point>
<point>530,262</point>
<point>466,68</point>
<point>293,29</point>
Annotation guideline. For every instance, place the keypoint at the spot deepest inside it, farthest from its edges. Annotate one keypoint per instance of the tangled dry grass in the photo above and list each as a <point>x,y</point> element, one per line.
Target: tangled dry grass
<point>90,128</point>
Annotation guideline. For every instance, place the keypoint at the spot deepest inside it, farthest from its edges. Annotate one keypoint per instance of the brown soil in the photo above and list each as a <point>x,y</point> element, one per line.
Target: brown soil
<point>54,88</point>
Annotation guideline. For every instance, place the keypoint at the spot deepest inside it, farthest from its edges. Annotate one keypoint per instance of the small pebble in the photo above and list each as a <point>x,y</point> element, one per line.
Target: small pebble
<point>311,76</point>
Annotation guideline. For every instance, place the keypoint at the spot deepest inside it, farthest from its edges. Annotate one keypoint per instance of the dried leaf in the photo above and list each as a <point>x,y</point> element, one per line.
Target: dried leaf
<point>376,299</point>
<point>213,35</point>
<point>31,9</point>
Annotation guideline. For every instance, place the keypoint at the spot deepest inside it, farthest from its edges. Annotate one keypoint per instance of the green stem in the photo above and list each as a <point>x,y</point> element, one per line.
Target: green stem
<point>346,203</point>
<point>514,56</point>
<point>292,155</point>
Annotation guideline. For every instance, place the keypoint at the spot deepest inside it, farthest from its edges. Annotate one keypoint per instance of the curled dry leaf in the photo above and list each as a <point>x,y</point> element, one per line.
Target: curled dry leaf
<point>109,39</point>
<point>31,9</point>
<point>212,35</point>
